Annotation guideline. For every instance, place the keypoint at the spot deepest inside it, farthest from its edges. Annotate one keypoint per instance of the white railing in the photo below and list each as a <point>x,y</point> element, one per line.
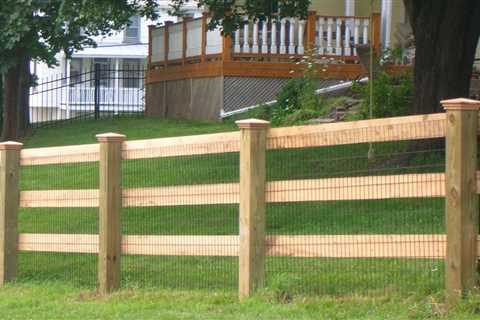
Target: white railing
<point>334,36</point>
<point>270,36</point>
<point>340,35</point>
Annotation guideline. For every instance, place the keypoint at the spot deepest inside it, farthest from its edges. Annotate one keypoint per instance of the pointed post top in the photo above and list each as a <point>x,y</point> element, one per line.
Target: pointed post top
<point>252,124</point>
<point>460,104</point>
<point>11,145</point>
<point>110,137</point>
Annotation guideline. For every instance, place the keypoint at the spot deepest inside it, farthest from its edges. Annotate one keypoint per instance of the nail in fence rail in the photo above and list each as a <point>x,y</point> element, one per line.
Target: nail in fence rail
<point>9,202</point>
<point>458,186</point>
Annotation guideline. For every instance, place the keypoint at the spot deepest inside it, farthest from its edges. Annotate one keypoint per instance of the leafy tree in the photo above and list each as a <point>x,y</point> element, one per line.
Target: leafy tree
<point>38,30</point>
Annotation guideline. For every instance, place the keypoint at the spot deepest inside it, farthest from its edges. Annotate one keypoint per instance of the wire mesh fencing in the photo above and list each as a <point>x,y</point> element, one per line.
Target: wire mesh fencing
<point>374,225</point>
<point>350,208</point>
<point>181,201</point>
<point>58,200</point>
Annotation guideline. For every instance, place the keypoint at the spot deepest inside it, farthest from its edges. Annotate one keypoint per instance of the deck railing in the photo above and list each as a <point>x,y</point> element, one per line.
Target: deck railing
<point>276,38</point>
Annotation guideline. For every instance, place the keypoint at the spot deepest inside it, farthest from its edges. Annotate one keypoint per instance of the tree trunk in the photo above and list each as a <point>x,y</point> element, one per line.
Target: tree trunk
<point>446,35</point>
<point>16,100</point>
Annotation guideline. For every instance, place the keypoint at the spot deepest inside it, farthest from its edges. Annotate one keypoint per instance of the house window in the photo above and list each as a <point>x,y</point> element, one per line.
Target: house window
<point>132,73</point>
<point>106,72</point>
<point>132,32</point>
<point>76,66</point>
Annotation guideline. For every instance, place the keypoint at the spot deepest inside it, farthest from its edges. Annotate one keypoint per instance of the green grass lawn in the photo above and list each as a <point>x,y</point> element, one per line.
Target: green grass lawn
<point>313,276</point>
<point>60,301</point>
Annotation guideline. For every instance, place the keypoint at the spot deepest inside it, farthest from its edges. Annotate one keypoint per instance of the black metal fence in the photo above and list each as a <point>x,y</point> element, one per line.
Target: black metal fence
<point>94,94</point>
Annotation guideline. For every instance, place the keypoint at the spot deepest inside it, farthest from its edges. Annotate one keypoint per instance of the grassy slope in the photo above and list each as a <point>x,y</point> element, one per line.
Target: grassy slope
<point>63,302</point>
<point>350,217</point>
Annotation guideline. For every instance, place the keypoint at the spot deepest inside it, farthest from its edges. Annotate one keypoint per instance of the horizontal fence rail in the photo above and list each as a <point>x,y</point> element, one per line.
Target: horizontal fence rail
<point>325,246</point>
<point>377,130</point>
<point>331,189</point>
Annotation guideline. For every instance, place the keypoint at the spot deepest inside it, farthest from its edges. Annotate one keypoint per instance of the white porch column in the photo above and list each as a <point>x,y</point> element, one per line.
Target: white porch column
<point>349,8</point>
<point>386,22</point>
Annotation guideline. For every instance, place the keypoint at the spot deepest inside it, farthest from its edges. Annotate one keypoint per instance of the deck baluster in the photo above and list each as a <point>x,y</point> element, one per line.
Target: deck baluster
<point>283,47</point>
<point>338,38</point>
<point>255,36</point>
<point>273,47</point>
<point>321,48</point>
<point>301,28</point>
<point>265,36</point>
<point>291,37</point>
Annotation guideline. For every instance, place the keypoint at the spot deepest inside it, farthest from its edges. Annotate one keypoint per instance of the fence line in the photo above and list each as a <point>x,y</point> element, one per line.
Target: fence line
<point>376,130</point>
<point>459,246</point>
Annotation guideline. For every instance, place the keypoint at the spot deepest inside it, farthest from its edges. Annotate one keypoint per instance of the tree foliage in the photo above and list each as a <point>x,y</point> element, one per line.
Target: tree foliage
<point>229,14</point>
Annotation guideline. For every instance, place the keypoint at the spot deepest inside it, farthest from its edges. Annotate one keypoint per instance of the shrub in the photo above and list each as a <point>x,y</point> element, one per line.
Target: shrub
<point>391,95</point>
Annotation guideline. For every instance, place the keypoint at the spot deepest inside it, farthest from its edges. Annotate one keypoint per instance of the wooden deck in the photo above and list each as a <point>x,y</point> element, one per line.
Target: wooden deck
<point>269,49</point>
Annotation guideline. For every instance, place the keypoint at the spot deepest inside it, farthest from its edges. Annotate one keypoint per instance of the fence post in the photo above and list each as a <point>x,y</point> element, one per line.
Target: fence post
<point>110,204</point>
<point>461,198</point>
<point>9,203</point>
<point>252,205</point>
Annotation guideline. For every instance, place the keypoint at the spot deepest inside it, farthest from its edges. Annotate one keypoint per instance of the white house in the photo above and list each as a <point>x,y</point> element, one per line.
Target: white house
<point>68,90</point>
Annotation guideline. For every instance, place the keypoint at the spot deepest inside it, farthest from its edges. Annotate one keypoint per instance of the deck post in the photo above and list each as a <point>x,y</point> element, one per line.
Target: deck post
<point>184,38</point>
<point>204,37</point>
<point>9,203</point>
<point>150,30</point>
<point>110,205</point>
<point>375,32</point>
<point>227,48</point>
<point>461,199</point>
<point>166,39</point>
<point>311,30</point>
<point>252,205</point>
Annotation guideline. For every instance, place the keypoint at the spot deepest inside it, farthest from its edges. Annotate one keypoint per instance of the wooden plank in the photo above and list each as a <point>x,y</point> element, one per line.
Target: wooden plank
<point>461,206</point>
<point>65,243</point>
<point>59,155</point>
<point>357,188</point>
<point>86,198</point>
<point>287,70</point>
<point>219,246</point>
<point>358,246</point>
<point>252,205</point>
<point>179,146</point>
<point>193,71</point>
<point>110,206</point>
<point>422,185</point>
<point>419,185</point>
<point>9,201</point>
<point>224,193</point>
<point>377,130</point>
<point>409,246</point>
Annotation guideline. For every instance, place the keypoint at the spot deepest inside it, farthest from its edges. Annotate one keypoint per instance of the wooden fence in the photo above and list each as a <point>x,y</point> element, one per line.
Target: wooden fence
<point>458,185</point>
